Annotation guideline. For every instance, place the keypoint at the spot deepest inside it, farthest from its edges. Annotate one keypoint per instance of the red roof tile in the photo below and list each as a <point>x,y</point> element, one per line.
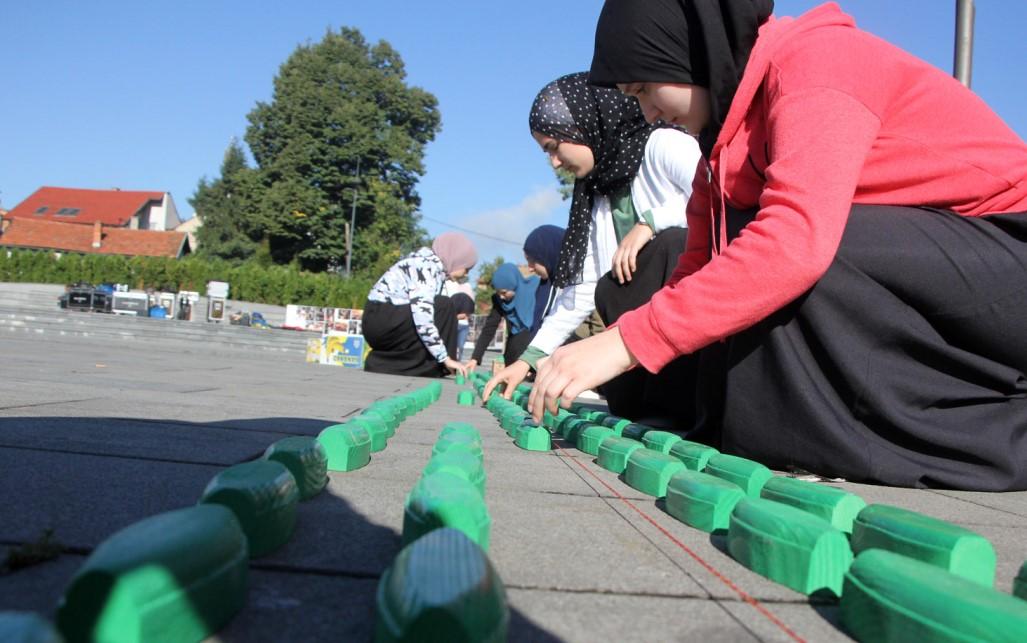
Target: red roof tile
<point>110,207</point>
<point>69,237</point>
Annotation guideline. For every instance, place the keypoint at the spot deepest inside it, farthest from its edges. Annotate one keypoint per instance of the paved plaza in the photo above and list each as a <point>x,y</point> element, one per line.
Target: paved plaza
<point>97,433</point>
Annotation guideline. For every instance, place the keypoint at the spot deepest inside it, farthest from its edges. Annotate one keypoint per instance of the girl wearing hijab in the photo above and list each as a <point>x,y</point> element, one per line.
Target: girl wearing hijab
<point>854,275</point>
<point>514,301</point>
<point>409,325</point>
<point>626,219</point>
<point>542,254</point>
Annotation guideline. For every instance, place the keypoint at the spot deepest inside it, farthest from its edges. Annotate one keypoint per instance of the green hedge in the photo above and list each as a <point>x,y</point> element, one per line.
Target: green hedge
<point>278,285</point>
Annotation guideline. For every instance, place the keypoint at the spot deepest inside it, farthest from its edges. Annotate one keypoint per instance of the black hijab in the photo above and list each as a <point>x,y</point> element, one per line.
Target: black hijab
<point>695,42</point>
<point>543,245</point>
<point>569,109</point>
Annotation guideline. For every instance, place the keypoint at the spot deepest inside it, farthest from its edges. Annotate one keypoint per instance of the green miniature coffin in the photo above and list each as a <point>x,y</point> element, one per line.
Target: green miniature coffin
<point>305,459</point>
<point>749,475</point>
<point>890,598</point>
<point>441,587</point>
<point>614,453</point>
<point>596,417</point>
<point>649,471</point>
<point>435,391</point>
<point>635,431</point>
<point>461,463</point>
<point>459,379</point>
<point>616,423</point>
<point>948,546</point>
<point>374,423</point>
<point>572,429</point>
<point>462,428</point>
<point>533,438</point>
<point>348,447</point>
<point>661,441</point>
<point>465,398</point>
<point>27,627</point>
<point>445,499</point>
<point>386,414</point>
<point>263,496</point>
<point>701,500</point>
<point>695,456</point>
<point>375,428</point>
<point>176,576</point>
<point>788,545</point>
<point>458,442</point>
<point>836,506</point>
<point>590,439</point>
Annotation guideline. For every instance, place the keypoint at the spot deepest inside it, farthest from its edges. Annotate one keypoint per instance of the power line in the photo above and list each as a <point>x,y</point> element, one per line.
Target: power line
<point>469,231</point>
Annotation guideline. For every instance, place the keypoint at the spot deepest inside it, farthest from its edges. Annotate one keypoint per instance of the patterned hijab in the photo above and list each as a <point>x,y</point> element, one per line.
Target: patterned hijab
<point>612,126</point>
<point>694,42</point>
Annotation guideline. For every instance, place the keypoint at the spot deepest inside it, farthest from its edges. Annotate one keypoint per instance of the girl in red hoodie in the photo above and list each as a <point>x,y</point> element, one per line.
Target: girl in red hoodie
<point>855,277</point>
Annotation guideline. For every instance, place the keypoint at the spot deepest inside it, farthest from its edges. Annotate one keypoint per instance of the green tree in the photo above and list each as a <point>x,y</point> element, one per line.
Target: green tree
<point>566,180</point>
<point>342,124</point>
<point>230,207</point>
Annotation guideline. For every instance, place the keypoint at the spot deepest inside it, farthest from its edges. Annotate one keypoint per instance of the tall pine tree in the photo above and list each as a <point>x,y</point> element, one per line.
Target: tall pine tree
<point>230,208</point>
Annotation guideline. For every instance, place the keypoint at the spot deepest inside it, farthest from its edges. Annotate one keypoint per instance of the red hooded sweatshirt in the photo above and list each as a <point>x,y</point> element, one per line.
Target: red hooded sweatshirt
<point>825,116</point>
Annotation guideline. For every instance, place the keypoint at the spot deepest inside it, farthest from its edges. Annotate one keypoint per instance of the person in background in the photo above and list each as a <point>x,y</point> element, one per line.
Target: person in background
<point>513,302</point>
<point>626,225</point>
<point>854,280</point>
<point>409,325</point>
<point>463,305</point>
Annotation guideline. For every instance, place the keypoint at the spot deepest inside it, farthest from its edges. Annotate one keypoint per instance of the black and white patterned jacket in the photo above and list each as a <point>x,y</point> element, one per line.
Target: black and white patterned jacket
<point>416,279</point>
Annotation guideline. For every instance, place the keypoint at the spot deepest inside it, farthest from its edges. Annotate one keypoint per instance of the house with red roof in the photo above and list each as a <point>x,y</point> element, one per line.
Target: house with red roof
<point>121,222</point>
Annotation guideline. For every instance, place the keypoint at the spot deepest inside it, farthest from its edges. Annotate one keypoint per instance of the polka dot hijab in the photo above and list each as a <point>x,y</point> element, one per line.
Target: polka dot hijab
<point>611,124</point>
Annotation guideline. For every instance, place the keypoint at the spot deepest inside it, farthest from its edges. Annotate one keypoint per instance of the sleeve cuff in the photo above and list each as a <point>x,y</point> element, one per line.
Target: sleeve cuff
<point>532,355</point>
<point>644,339</point>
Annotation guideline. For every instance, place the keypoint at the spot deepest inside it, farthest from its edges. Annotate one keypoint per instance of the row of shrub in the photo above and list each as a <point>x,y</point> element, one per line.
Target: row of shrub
<point>279,285</point>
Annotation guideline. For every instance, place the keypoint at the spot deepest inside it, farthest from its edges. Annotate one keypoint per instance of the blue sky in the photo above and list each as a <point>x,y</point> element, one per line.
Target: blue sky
<point>147,95</point>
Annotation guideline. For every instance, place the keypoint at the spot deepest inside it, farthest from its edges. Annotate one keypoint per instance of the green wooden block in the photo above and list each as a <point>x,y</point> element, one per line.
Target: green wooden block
<point>461,463</point>
<point>27,627</point>
<point>459,427</point>
<point>305,459</point>
<point>533,438</point>
<point>387,415</point>
<point>445,499</point>
<point>552,422</point>
<point>635,431</point>
<point>348,447</point>
<point>459,379</point>
<point>441,587</point>
<point>263,496</point>
<point>894,599</point>
<point>749,475</point>
<point>379,434</point>
<point>1020,583</point>
<point>614,453</point>
<point>701,500</point>
<point>661,441</point>
<point>596,417</point>
<point>573,429</point>
<point>836,506</point>
<point>176,576</point>
<point>943,544</point>
<point>435,390</point>
<point>590,438</point>
<point>649,471</point>
<point>458,442</point>
<point>511,419</point>
<point>465,398</point>
<point>616,423</point>
<point>374,423</point>
<point>695,456</point>
<point>788,546</point>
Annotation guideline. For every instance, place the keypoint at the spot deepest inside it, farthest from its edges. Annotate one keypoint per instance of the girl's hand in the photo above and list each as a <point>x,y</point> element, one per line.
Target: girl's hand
<point>627,251</point>
<point>512,375</point>
<point>578,367</point>
<point>471,364</point>
<point>455,366</point>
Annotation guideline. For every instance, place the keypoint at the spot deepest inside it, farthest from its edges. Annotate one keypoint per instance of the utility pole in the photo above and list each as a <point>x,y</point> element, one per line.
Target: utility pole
<point>352,223</point>
<point>964,49</point>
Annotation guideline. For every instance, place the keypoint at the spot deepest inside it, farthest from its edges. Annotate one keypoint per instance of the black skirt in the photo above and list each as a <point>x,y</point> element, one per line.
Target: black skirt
<point>905,364</point>
<point>396,348</point>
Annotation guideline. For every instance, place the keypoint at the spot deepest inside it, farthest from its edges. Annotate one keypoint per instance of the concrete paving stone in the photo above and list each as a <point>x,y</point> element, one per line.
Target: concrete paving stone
<point>809,622</point>
<point>192,442</point>
<point>944,506</point>
<point>1013,502</point>
<point>587,617</point>
<point>86,498</point>
<point>576,543</point>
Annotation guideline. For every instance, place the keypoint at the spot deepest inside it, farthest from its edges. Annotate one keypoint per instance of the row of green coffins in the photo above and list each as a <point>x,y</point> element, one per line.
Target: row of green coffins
<point>900,575</point>
<point>183,574</point>
<point>442,586</point>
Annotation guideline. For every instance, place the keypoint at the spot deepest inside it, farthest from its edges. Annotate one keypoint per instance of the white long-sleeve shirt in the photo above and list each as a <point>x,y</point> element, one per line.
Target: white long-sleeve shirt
<point>661,189</point>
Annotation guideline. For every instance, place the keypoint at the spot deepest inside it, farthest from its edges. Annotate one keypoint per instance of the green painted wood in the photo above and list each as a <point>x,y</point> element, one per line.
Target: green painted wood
<point>635,431</point>
<point>441,587</point>
<point>465,398</point>
<point>701,500</point>
<point>445,499</point>
<point>616,423</point>
<point>788,546</point>
<point>695,455</point>
<point>263,496</point>
<point>749,475</point>
<point>176,576</point>
<point>305,459</point>
<point>943,544</point>
<point>836,506</point>
<point>661,441</point>
<point>348,447</point>
<point>590,438</point>
<point>649,471</point>
<point>574,428</point>
<point>376,429</point>
<point>614,453</point>
<point>891,598</point>
<point>459,462</point>
<point>533,438</point>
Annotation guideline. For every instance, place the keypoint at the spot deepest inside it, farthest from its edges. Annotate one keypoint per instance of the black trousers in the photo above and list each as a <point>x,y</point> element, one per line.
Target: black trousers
<point>905,364</point>
<point>637,394</point>
<point>515,345</point>
<point>396,348</point>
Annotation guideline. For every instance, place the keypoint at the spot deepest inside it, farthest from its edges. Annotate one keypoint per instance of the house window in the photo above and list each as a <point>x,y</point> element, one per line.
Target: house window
<point>41,210</point>
<point>68,212</point>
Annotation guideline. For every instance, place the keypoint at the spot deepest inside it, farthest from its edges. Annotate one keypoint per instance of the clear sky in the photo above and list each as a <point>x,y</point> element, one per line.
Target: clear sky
<point>147,95</point>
